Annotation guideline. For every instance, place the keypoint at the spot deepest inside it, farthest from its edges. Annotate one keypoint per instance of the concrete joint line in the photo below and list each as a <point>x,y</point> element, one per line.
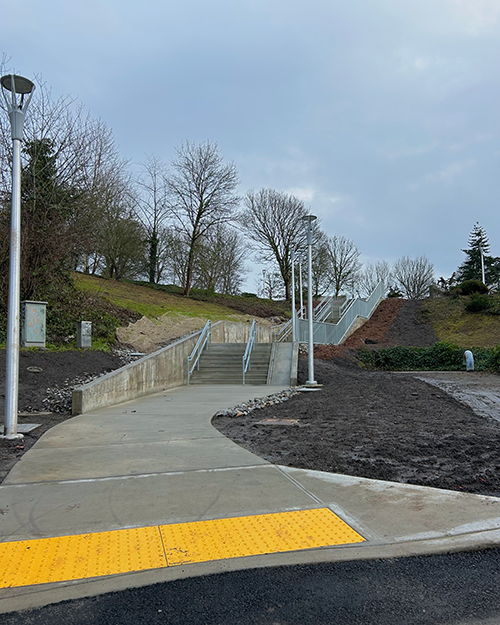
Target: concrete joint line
<point>299,485</point>
<point>112,478</point>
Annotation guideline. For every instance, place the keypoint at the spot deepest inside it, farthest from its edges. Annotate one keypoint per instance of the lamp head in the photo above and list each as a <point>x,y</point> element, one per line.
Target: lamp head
<point>17,84</point>
<point>308,219</point>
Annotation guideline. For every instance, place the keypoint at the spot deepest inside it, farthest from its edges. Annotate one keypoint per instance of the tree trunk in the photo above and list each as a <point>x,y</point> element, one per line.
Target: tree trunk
<point>189,271</point>
<point>153,256</point>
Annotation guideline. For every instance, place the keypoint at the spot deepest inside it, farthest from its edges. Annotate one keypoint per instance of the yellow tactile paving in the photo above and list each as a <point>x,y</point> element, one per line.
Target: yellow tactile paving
<point>253,535</point>
<point>65,558</point>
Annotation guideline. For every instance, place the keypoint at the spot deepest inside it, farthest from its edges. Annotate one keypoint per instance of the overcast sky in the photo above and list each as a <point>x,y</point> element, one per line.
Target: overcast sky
<point>383,115</point>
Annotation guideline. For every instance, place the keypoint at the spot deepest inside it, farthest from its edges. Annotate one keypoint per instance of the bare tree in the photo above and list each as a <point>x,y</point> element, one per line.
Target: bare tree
<point>270,284</point>
<point>152,211</point>
<point>122,240</point>
<point>106,177</point>
<point>220,262</point>
<point>322,274</point>
<point>272,221</point>
<point>173,256</point>
<point>372,275</point>
<point>68,159</point>
<point>202,194</point>
<point>344,262</point>
<point>414,276</point>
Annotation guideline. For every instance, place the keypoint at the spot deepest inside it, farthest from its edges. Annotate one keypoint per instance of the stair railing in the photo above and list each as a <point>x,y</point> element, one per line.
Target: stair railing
<point>194,358</point>
<point>248,350</point>
<point>283,331</point>
<point>323,310</point>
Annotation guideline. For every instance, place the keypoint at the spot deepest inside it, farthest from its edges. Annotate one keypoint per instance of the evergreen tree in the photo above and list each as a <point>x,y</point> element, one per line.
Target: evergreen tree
<point>470,269</point>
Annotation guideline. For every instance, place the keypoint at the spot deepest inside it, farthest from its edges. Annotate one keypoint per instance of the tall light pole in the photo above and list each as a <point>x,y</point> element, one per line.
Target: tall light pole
<point>16,107</point>
<point>300,288</point>
<point>483,278</point>
<point>309,219</point>
<point>294,321</point>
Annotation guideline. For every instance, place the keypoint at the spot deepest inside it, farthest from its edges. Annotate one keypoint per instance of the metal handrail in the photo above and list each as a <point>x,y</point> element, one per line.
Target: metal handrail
<point>284,331</point>
<point>248,350</point>
<point>322,308</point>
<point>205,336</point>
<point>345,307</point>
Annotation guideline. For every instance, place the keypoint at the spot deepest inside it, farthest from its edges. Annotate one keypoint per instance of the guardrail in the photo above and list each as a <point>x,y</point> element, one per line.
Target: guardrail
<point>322,310</point>
<point>248,350</point>
<point>335,333</point>
<point>194,357</point>
<point>283,331</point>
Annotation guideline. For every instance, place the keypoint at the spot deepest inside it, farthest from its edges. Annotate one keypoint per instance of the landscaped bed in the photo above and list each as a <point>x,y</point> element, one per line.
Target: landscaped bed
<point>375,424</point>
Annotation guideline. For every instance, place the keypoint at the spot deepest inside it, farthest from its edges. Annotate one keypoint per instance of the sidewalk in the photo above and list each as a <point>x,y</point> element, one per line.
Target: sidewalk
<point>162,494</point>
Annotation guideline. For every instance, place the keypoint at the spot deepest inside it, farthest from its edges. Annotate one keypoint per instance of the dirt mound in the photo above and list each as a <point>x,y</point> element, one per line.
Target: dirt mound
<point>147,336</point>
<point>395,322</point>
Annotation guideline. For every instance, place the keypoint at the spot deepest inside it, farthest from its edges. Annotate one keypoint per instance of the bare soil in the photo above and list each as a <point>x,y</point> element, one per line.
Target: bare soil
<point>379,425</point>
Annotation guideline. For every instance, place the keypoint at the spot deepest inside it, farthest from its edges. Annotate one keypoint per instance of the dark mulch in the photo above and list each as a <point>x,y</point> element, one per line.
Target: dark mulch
<point>378,425</point>
<point>375,424</point>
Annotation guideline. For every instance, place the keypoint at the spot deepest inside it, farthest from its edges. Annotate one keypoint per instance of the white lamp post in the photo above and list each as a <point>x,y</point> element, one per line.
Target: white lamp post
<point>294,323</point>
<point>483,278</point>
<point>300,288</point>
<point>309,219</point>
<point>16,107</point>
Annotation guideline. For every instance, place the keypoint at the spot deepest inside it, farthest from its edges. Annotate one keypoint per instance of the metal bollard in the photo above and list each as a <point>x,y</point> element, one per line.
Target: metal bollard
<point>469,360</point>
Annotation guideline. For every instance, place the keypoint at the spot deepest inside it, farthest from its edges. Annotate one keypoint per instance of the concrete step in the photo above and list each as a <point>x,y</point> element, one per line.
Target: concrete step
<point>222,363</point>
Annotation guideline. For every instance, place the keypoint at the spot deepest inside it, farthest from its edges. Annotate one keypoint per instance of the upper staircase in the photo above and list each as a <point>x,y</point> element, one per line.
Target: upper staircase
<point>222,363</point>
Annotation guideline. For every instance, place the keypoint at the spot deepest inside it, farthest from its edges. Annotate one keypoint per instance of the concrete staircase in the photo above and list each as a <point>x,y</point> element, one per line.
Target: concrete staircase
<point>222,363</point>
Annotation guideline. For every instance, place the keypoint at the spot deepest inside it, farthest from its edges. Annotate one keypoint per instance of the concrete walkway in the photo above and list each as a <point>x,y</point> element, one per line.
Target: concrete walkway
<point>158,461</point>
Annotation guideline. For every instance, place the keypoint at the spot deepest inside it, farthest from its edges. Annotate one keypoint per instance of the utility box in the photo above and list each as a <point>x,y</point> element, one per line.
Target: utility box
<point>33,323</point>
<point>84,334</point>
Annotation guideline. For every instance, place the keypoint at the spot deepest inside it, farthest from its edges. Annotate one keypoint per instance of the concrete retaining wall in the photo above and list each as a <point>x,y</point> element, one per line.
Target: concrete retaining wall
<point>158,371</point>
<point>234,332</point>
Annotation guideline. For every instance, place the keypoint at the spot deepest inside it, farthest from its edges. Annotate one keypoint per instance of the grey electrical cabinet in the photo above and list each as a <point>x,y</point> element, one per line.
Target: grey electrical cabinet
<point>33,323</point>
<point>84,334</point>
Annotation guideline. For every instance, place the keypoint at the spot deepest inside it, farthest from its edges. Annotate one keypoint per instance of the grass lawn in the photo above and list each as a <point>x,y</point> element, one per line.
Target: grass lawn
<point>452,323</point>
<point>152,303</point>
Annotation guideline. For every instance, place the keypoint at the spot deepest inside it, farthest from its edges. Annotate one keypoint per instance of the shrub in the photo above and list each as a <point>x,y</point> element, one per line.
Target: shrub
<point>471,286</point>
<point>441,356</point>
<point>479,302</point>
<point>495,359</point>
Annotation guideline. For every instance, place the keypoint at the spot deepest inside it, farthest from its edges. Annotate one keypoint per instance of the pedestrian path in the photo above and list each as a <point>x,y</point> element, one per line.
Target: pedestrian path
<point>149,487</point>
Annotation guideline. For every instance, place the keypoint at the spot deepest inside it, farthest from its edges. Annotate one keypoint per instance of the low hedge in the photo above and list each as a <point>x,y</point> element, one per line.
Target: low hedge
<point>441,356</point>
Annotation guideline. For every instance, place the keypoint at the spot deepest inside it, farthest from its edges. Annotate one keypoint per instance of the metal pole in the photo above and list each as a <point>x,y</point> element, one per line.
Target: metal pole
<point>294,321</point>
<point>301,297</point>
<point>482,265</point>
<point>12,373</point>
<point>16,85</point>
<point>311,381</point>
